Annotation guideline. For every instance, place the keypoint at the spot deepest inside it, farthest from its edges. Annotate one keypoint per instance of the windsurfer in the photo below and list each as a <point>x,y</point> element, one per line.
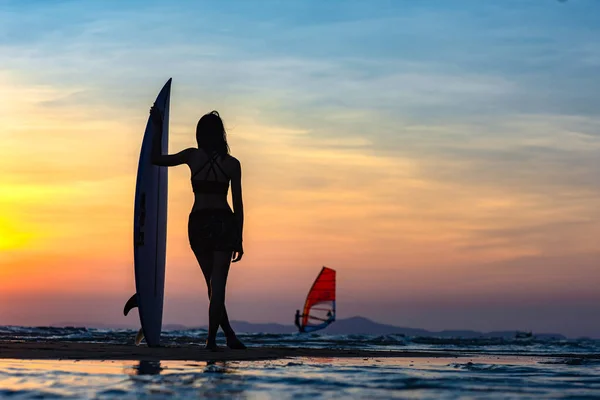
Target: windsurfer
<point>319,307</point>
<point>297,321</point>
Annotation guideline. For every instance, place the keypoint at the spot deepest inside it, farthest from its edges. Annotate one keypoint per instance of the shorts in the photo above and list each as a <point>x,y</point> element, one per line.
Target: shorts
<point>213,229</point>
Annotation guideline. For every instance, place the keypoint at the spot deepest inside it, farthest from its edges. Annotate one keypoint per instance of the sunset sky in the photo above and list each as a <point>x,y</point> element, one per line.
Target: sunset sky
<point>442,156</point>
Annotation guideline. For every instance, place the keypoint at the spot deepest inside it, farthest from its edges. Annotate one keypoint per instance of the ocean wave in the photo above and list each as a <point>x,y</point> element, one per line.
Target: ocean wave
<point>316,340</point>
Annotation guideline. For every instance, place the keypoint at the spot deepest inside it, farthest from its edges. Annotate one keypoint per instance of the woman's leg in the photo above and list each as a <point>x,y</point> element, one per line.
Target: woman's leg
<point>206,260</point>
<point>218,281</point>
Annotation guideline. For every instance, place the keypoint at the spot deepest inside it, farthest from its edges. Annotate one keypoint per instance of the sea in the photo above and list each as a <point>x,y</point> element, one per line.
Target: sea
<point>488,368</point>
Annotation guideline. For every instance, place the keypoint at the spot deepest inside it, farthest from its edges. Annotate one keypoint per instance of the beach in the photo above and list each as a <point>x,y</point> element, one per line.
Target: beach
<point>87,363</point>
<point>64,350</point>
<point>283,373</point>
<point>102,351</point>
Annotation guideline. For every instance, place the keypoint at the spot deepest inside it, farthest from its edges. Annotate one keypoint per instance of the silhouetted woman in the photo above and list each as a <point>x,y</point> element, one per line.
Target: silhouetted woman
<point>215,232</point>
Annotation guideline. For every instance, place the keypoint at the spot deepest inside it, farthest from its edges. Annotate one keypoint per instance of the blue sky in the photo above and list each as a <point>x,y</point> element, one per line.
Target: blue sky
<point>461,136</point>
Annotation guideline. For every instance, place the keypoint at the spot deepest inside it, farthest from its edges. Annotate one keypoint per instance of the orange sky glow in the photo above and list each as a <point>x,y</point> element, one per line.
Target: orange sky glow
<point>422,216</point>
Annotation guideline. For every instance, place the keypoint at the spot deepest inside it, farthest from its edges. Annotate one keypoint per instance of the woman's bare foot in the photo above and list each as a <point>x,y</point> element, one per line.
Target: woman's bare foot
<point>211,345</point>
<point>234,343</point>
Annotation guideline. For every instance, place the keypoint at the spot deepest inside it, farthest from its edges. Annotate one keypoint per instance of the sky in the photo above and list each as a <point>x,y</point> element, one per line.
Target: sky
<point>443,157</point>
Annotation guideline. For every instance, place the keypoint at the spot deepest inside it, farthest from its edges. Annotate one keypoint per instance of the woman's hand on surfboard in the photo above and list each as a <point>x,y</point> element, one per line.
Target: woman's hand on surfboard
<point>156,116</point>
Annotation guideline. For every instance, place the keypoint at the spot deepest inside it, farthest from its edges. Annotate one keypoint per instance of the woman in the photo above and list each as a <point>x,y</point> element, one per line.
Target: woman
<point>215,232</point>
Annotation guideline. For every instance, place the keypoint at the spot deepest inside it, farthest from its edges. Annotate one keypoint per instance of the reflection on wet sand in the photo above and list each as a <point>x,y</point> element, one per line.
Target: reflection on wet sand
<point>148,368</point>
<point>213,379</point>
<point>303,377</point>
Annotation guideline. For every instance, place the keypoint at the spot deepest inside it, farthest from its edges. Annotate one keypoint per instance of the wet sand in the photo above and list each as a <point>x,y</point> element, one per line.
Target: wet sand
<point>99,351</point>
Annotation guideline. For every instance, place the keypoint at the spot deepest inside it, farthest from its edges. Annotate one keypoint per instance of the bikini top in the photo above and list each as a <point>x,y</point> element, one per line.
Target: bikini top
<point>210,186</point>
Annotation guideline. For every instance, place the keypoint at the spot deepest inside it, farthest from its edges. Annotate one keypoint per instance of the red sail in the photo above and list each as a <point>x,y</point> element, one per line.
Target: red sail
<point>321,292</point>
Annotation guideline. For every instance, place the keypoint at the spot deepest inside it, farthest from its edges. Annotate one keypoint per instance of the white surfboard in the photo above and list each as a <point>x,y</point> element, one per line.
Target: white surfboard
<point>150,230</point>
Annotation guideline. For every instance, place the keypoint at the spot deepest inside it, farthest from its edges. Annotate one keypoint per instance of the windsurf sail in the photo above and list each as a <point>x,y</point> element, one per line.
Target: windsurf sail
<point>319,308</point>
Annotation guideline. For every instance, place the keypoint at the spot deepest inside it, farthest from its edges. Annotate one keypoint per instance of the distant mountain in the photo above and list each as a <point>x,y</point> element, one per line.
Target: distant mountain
<point>348,326</point>
<point>360,325</point>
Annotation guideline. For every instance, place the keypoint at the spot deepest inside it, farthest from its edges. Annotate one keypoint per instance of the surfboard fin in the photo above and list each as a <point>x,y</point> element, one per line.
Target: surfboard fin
<point>139,337</point>
<point>131,304</point>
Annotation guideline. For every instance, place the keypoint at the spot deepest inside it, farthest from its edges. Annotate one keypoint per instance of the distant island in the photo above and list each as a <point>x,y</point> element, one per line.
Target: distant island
<point>348,326</point>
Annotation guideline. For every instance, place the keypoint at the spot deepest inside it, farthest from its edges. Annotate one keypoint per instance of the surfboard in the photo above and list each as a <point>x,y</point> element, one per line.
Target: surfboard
<point>150,230</point>
<point>319,307</point>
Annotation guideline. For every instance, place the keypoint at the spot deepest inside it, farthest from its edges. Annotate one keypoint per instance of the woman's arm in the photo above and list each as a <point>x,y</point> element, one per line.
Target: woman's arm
<point>164,160</point>
<point>238,206</point>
